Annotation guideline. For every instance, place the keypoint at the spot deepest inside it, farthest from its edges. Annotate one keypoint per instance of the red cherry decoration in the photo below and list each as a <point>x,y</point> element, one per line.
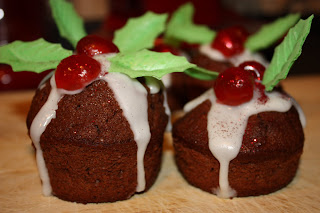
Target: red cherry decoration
<point>92,45</point>
<point>230,41</point>
<point>76,71</point>
<point>234,86</point>
<point>255,67</point>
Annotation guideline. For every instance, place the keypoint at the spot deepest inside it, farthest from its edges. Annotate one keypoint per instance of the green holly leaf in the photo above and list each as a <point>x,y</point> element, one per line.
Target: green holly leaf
<point>140,33</point>
<point>37,56</point>
<point>69,23</point>
<point>182,28</point>
<point>201,73</point>
<point>286,53</point>
<point>271,33</point>
<point>148,63</point>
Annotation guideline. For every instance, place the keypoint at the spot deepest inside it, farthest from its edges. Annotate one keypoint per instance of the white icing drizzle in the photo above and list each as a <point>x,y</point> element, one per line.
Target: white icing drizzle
<point>214,54</point>
<point>167,80</point>
<point>42,83</point>
<point>132,98</point>
<point>167,111</point>
<point>155,85</point>
<point>105,64</point>
<point>246,55</point>
<point>226,126</point>
<point>39,124</point>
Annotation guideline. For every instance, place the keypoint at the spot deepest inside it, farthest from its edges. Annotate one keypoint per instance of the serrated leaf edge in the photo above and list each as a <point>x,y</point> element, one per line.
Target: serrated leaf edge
<point>269,84</point>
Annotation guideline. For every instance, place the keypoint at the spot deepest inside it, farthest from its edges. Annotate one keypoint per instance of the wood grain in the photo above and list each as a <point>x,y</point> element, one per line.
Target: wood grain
<point>20,187</point>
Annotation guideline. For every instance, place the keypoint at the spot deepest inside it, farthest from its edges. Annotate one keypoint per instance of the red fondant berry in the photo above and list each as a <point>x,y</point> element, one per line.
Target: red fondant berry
<point>234,86</point>
<point>92,45</point>
<point>255,67</point>
<point>76,72</point>
<point>230,41</point>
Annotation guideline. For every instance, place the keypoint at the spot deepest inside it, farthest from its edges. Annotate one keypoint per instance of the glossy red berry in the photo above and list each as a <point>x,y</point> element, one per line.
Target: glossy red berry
<point>92,45</point>
<point>76,72</point>
<point>255,67</point>
<point>230,41</point>
<point>234,86</point>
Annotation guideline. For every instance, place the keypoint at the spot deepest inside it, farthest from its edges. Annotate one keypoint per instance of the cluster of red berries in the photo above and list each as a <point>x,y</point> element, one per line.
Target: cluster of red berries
<point>77,71</point>
<point>235,85</point>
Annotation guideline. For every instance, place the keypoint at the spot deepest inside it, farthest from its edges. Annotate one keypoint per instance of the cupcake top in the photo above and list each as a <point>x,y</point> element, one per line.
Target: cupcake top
<point>246,90</point>
<point>233,44</point>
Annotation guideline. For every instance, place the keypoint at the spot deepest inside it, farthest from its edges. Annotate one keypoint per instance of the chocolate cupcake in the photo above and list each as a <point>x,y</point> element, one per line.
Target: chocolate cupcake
<point>97,132</point>
<point>244,136</point>
<point>99,147</point>
<point>98,123</point>
<point>267,155</point>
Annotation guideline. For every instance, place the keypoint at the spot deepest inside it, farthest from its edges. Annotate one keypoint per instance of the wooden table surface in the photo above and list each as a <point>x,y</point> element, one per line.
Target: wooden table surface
<point>20,188</point>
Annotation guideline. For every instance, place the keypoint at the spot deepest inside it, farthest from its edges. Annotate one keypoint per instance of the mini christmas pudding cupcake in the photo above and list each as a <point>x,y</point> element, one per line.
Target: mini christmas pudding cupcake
<point>214,51</point>
<point>97,122</point>
<point>100,141</point>
<point>240,138</point>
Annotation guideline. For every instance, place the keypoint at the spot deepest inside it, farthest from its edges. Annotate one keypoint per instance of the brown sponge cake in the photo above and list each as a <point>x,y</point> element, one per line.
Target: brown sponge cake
<point>89,148</point>
<point>268,159</point>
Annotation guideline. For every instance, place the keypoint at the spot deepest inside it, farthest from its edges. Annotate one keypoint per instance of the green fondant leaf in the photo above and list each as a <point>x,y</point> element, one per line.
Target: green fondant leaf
<point>271,33</point>
<point>37,56</point>
<point>182,28</point>
<point>140,33</point>
<point>201,73</point>
<point>286,53</point>
<point>69,23</point>
<point>148,63</point>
